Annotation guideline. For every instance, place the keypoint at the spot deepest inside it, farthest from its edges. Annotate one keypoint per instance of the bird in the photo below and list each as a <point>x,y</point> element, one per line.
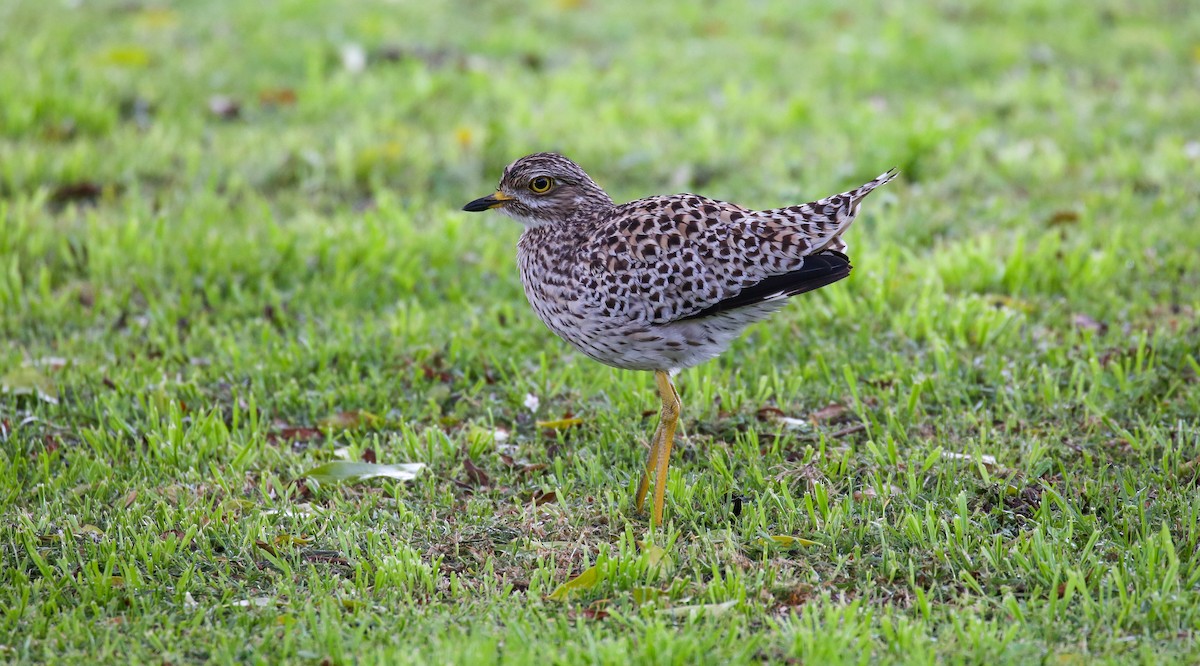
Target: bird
<point>664,283</point>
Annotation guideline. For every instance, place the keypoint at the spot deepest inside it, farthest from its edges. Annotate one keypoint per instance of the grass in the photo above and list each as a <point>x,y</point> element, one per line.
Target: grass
<point>230,255</point>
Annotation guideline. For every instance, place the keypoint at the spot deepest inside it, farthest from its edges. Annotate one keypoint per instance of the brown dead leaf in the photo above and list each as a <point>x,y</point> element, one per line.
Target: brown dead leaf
<point>1063,217</point>
<point>302,490</point>
<point>432,373</point>
<point>540,498</point>
<point>594,613</point>
<point>850,430</point>
<point>294,434</point>
<point>769,413</point>
<point>831,414</point>
<point>476,475</point>
<point>277,97</point>
<point>368,455</point>
<point>79,192</point>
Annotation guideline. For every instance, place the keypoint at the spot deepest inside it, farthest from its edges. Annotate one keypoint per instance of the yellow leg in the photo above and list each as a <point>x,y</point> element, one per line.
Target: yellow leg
<point>651,463</point>
<point>670,416</point>
<point>660,447</point>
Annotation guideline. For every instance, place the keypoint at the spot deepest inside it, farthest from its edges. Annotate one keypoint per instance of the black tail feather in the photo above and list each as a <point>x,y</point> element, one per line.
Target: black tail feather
<point>819,270</point>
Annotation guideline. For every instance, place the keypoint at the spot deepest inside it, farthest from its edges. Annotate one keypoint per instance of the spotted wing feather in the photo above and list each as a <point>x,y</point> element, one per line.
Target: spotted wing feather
<point>684,257</point>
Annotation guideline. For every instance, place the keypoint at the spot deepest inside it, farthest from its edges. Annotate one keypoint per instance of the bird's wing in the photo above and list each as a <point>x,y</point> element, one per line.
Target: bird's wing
<point>680,257</point>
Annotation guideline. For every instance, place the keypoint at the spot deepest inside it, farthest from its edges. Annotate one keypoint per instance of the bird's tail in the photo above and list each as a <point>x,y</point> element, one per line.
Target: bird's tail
<point>858,194</point>
<point>846,205</point>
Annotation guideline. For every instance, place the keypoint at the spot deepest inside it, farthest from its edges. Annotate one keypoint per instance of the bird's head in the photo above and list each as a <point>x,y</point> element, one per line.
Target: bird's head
<point>544,188</point>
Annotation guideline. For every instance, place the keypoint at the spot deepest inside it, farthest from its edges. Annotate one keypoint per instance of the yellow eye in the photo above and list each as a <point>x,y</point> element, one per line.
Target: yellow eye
<point>541,184</point>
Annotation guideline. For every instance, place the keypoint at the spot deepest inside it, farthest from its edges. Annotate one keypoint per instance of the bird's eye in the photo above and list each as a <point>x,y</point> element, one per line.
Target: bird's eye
<point>541,184</point>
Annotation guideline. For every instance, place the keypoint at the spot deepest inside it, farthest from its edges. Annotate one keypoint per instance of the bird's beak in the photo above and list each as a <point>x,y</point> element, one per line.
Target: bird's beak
<point>490,201</point>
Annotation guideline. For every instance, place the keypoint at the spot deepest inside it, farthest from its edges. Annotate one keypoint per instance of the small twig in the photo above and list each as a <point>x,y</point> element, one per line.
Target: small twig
<point>858,427</point>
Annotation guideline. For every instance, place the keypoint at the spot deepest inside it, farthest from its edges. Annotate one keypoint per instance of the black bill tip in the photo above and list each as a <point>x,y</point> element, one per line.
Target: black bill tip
<point>484,203</point>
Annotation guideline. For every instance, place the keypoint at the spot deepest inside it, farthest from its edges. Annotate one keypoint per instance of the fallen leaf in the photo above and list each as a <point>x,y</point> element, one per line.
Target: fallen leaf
<point>1062,217</point>
<point>769,413</point>
<point>858,427</point>
<point>530,469</point>
<point>559,424</point>
<point>277,97</point>
<point>831,414</point>
<point>591,613</point>
<point>29,381</point>
<point>474,473</point>
<point>540,498</point>
<point>83,191</point>
<point>126,56</point>
<point>342,471</point>
<point>368,456</point>
<point>643,594</point>
<point>586,580</point>
<point>658,558</point>
<point>295,434</point>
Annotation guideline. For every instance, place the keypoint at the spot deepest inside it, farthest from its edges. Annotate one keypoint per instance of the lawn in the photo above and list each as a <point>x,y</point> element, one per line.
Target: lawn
<point>231,252</point>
